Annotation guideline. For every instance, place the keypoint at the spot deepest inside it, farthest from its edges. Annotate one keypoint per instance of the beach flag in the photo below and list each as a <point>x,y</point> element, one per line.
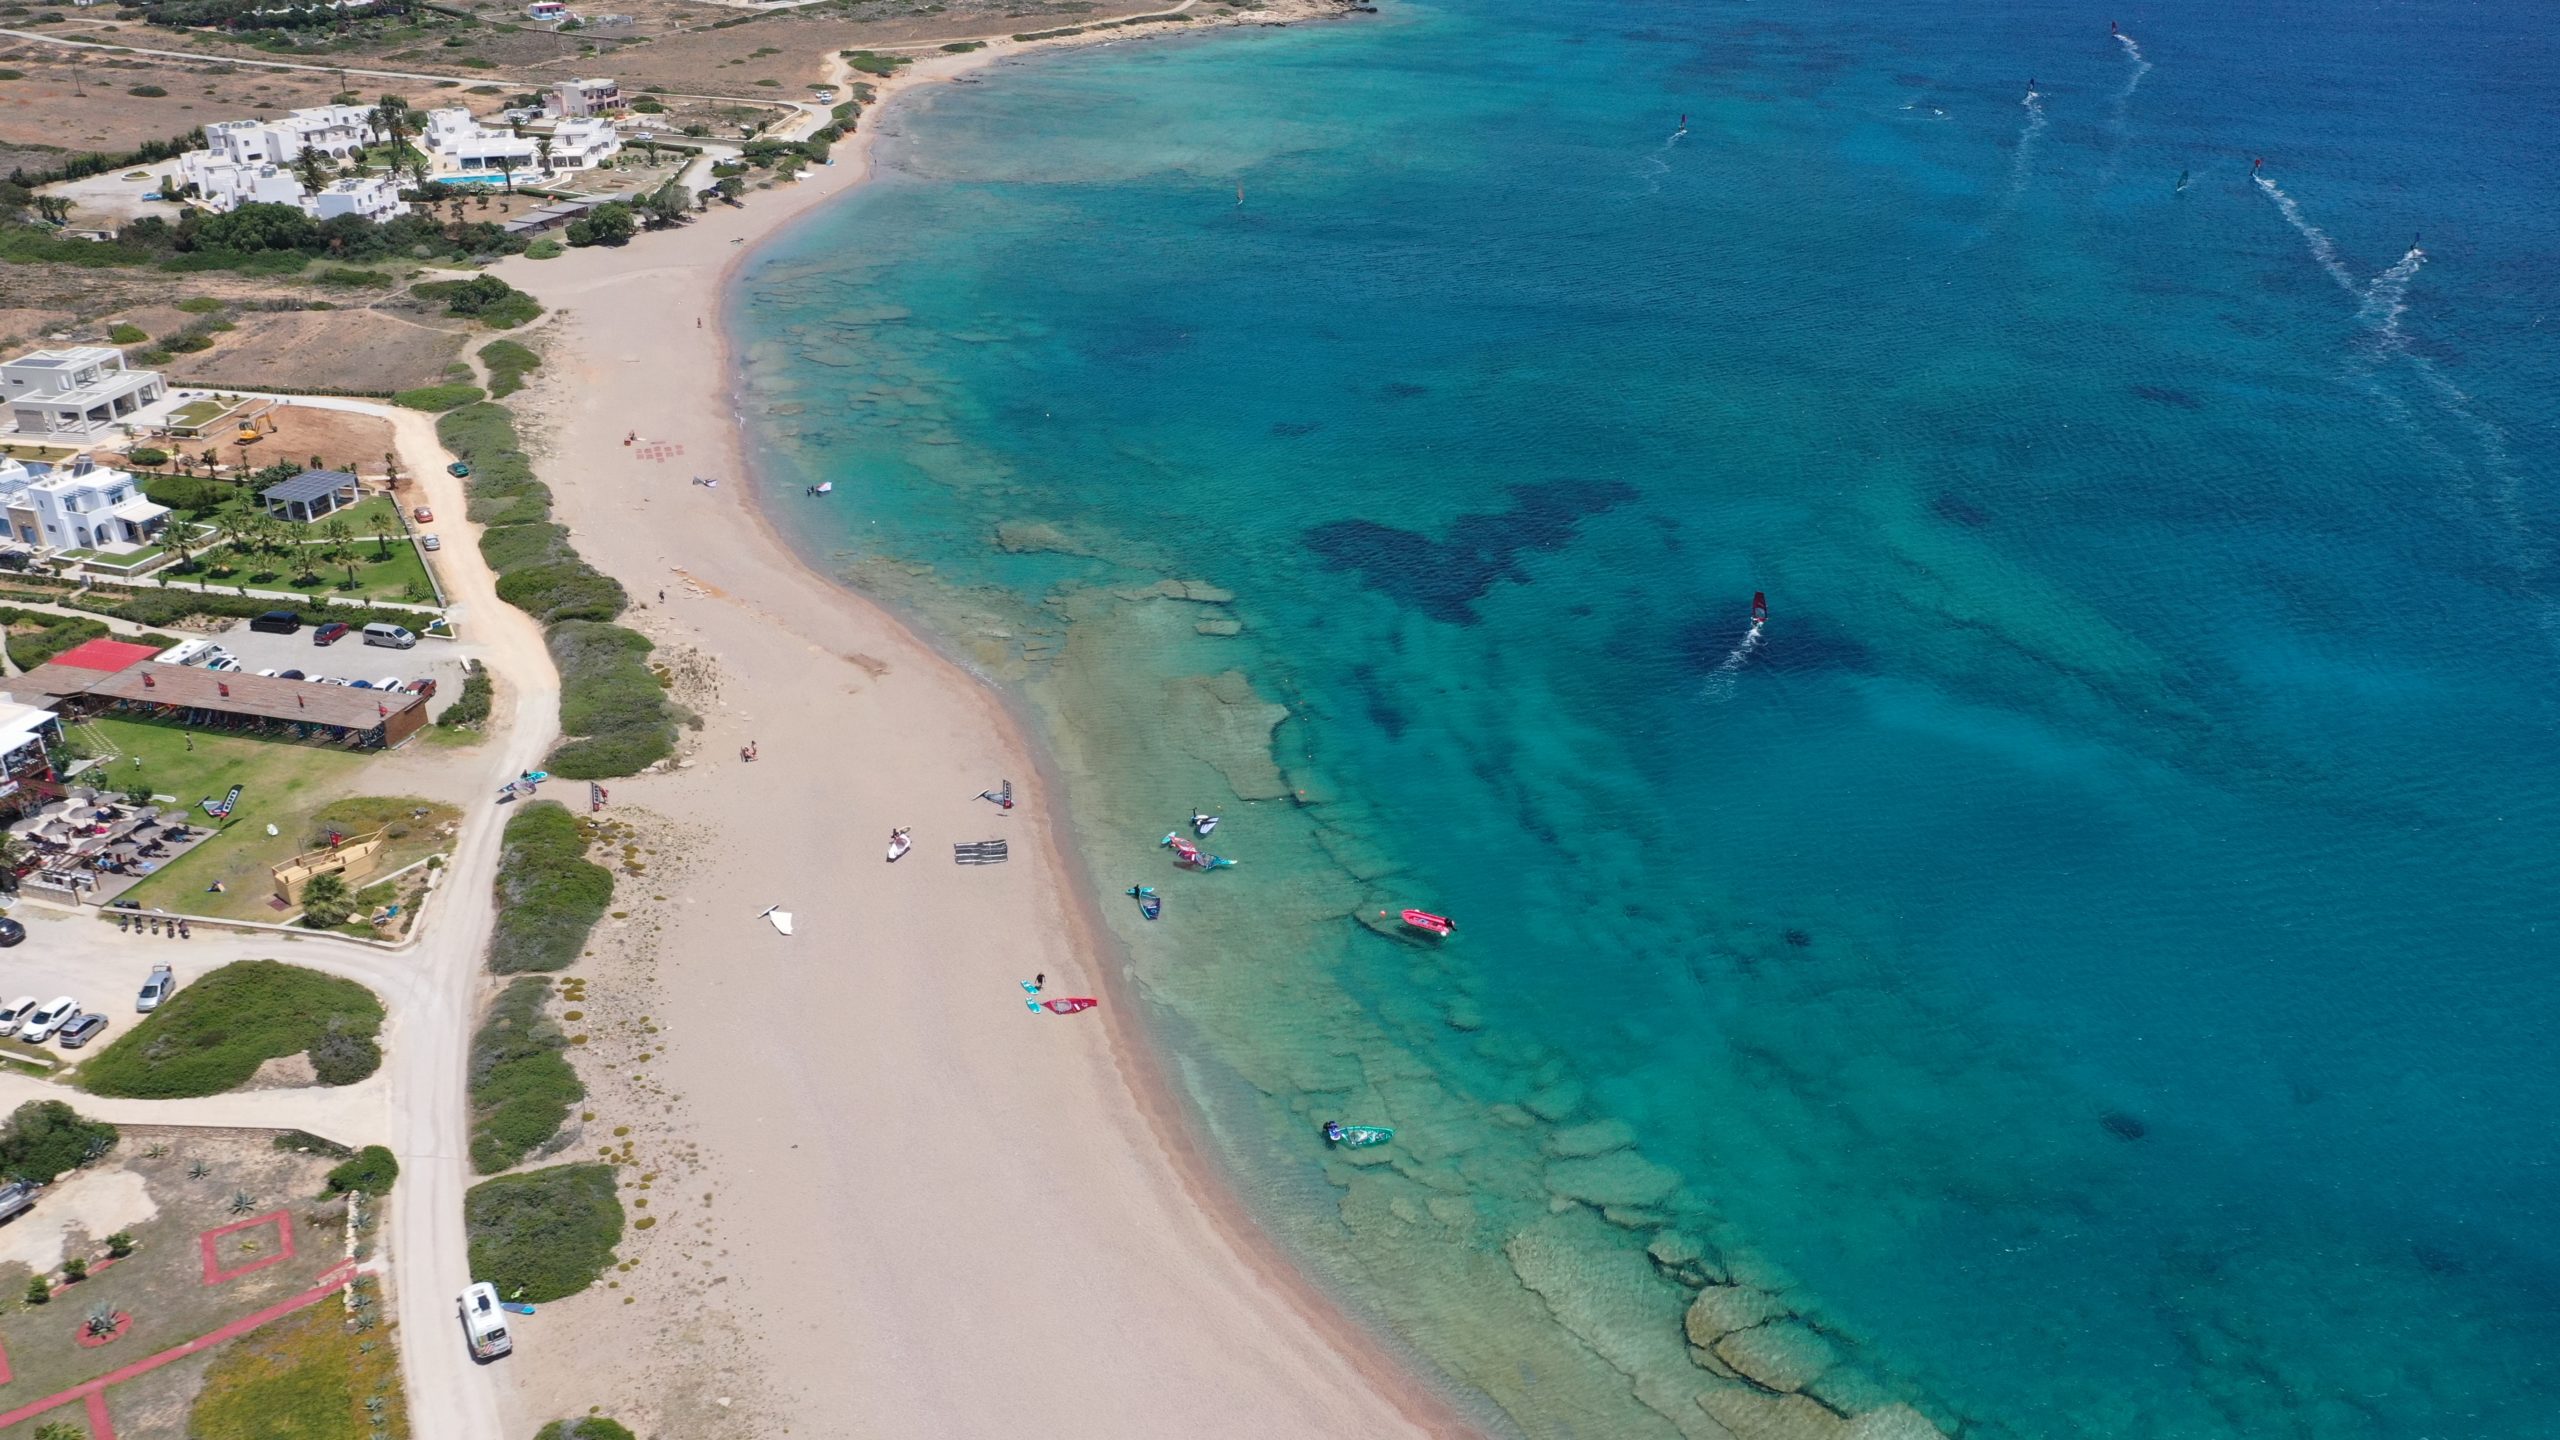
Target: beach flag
<point>148,683</point>
<point>222,685</point>
<point>381,709</point>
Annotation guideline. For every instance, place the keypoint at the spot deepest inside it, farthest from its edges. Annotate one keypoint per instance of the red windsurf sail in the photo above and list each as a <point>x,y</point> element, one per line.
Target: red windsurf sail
<point>1759,606</point>
<point>1071,1005</point>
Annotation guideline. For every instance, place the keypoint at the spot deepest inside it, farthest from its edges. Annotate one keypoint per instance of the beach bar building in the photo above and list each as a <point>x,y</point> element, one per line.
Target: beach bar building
<point>309,495</point>
<point>218,700</point>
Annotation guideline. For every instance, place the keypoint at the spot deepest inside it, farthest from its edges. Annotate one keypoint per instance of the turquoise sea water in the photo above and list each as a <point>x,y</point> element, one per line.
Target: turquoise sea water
<point>2086,971</point>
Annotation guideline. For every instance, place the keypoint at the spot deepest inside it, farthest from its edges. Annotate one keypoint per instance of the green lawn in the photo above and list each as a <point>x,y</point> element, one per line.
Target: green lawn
<point>244,858</point>
<point>285,785</point>
<point>306,1377</point>
<point>198,412</point>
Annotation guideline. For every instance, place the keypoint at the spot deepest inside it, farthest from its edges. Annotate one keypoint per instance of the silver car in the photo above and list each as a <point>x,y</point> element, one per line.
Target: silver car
<point>156,989</point>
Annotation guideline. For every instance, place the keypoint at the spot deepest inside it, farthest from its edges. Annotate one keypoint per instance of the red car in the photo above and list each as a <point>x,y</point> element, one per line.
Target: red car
<point>329,634</point>
<point>425,515</point>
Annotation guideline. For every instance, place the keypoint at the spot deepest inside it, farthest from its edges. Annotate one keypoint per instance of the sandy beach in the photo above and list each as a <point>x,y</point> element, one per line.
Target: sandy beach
<point>885,1198</point>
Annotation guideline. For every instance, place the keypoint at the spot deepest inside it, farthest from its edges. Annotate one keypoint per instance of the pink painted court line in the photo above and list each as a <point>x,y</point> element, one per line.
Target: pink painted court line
<point>94,1391</point>
<point>214,1274</point>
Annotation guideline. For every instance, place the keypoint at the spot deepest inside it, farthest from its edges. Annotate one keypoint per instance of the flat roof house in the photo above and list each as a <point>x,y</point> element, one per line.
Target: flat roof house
<point>74,391</point>
<point>83,507</point>
<point>578,99</point>
<point>310,495</point>
<point>460,145</point>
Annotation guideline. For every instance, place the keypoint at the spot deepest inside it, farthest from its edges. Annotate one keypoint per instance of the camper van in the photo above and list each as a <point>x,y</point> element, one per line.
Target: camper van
<point>484,1323</point>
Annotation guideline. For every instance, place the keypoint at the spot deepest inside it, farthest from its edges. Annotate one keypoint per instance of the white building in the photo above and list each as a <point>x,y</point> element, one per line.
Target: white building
<point>578,99</point>
<point>375,197</point>
<point>80,507</point>
<point>251,162</point>
<point>460,145</point>
<point>75,391</point>
<point>547,10</point>
<point>583,144</point>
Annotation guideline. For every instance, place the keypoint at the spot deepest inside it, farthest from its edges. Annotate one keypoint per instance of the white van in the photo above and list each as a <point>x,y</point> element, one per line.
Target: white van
<point>483,1323</point>
<point>379,633</point>
<point>187,652</point>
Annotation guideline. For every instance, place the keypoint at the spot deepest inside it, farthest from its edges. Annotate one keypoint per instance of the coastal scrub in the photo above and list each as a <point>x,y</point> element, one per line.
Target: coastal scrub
<point>610,703</point>
<point>543,1234</point>
<point>549,894</point>
<point>46,1137</point>
<point>213,1035</point>
<point>521,1083</point>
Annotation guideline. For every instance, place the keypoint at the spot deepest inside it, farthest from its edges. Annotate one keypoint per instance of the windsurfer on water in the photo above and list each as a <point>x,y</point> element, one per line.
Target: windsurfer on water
<point>1333,1132</point>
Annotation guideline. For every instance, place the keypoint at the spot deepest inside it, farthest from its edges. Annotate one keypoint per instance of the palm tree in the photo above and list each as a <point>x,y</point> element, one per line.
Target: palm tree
<point>337,532</point>
<point>311,169</point>
<point>542,149</point>
<point>507,168</point>
<point>238,529</point>
<point>391,466</point>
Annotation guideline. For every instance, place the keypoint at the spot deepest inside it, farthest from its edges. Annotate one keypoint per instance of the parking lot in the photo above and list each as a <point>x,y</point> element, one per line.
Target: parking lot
<point>89,961</point>
<point>351,659</point>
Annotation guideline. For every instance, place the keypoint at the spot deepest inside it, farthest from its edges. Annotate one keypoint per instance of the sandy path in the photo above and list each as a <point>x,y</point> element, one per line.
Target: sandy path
<point>938,1214</point>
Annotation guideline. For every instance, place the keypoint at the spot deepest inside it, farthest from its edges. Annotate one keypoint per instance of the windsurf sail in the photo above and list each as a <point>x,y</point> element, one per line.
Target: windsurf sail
<point>1071,1005</point>
<point>221,809</point>
<point>1759,606</point>
<point>780,917</point>
<point>1149,904</point>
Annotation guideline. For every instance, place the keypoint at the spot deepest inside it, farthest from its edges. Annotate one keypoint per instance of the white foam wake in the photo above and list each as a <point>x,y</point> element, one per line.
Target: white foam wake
<point>2386,296</point>
<point>2322,248</point>
<point>2132,82</point>
<point>2021,164</point>
<point>1722,680</point>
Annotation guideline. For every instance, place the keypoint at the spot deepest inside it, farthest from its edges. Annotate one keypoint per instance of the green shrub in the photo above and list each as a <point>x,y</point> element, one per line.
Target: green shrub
<point>147,92</point>
<point>44,1138</point>
<point>587,1427</point>
<point>147,456</point>
<point>59,633</point>
<point>39,1292</point>
<point>612,708</point>
<point>123,334</point>
<point>550,895</point>
<point>545,248</point>
<point>171,605</point>
<point>326,902</point>
<point>336,276</point>
<point>437,398</point>
<point>372,1172</point>
<point>485,298</point>
<point>508,364</point>
<point>521,1083</point>
<point>545,1234</point>
<point>872,62</point>
<point>471,708</point>
<point>963,47</point>
<point>213,1035</point>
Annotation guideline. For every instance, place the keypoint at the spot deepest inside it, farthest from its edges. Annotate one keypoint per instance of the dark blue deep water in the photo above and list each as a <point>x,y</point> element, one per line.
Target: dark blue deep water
<point>2086,971</point>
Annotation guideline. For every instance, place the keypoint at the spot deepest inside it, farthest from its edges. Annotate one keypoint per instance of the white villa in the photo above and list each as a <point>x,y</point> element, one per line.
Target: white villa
<point>75,391</point>
<point>79,508</point>
<point>460,145</point>
<point>251,162</point>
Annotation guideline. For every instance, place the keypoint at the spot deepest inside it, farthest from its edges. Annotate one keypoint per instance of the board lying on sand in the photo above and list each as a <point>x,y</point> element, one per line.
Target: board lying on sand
<point>1073,1004</point>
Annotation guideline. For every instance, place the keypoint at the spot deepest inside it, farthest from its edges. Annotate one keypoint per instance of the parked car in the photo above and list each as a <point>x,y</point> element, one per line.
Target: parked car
<point>429,542</point>
<point>15,1013</point>
<point>278,622</point>
<point>226,664</point>
<point>186,652</point>
<point>393,636</point>
<point>330,634</point>
<point>483,1322</point>
<point>423,687</point>
<point>156,989</point>
<point>361,684</point>
<point>48,1017</point>
<point>84,1027</point>
<point>267,674</point>
<point>289,675</point>
<point>390,683</point>
<point>425,514</point>
<point>11,932</point>
<point>17,1198</point>
<point>327,680</point>
<point>458,470</point>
